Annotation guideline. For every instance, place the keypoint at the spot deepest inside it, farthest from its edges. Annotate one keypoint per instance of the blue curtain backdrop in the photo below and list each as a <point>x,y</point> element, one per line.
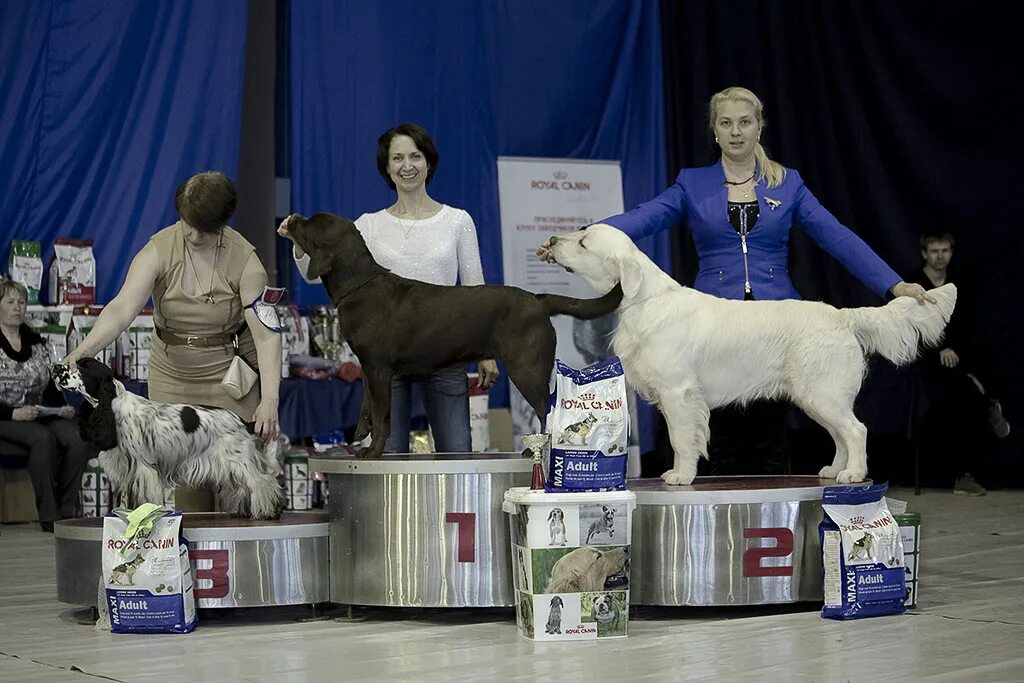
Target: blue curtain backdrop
<point>578,79</point>
<point>107,107</point>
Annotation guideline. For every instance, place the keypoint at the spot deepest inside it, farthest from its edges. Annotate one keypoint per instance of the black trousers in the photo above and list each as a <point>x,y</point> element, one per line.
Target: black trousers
<point>747,440</point>
<point>56,458</point>
<point>954,433</point>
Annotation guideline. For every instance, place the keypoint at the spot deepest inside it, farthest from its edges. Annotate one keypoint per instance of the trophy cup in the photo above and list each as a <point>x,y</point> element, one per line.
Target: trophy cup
<point>540,446</point>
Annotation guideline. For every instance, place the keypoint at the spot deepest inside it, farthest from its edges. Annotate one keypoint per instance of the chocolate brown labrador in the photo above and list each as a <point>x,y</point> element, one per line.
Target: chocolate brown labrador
<point>398,326</point>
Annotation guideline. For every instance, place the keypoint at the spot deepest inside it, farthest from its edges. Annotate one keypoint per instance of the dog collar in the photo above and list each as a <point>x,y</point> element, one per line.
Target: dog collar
<point>349,292</point>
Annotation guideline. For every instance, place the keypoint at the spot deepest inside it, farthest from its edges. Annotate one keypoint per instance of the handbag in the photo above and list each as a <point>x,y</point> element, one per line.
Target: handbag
<point>240,378</point>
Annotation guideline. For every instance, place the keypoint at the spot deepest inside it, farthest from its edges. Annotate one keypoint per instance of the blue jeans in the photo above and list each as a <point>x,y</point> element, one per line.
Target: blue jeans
<point>446,395</point>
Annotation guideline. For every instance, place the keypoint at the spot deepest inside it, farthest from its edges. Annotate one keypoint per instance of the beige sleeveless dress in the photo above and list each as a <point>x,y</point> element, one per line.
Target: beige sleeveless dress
<point>183,374</point>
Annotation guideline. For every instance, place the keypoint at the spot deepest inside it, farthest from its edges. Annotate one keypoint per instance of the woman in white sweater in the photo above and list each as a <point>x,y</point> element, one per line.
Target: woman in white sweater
<point>421,239</point>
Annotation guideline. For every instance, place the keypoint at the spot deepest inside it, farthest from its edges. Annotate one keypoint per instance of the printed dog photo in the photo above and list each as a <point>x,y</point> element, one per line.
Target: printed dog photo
<point>577,433</point>
<point>125,570</point>
<point>608,610</point>
<point>861,548</point>
<point>554,624</point>
<point>603,524</point>
<point>556,525</point>
<point>575,570</point>
<point>522,567</point>
<point>524,615</point>
<point>553,526</point>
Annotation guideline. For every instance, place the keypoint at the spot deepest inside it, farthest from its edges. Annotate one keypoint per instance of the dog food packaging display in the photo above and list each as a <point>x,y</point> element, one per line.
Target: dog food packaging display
<point>135,343</point>
<point>294,336</point>
<point>589,426</point>
<point>298,484</point>
<point>25,265</point>
<point>570,563</point>
<point>73,273</point>
<point>81,324</point>
<point>910,534</point>
<point>53,324</point>
<point>146,572</point>
<point>479,415</point>
<point>94,492</point>
<point>862,552</point>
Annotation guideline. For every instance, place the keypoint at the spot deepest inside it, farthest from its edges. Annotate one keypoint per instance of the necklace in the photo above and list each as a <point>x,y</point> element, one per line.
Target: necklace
<point>740,182</point>
<point>208,297</point>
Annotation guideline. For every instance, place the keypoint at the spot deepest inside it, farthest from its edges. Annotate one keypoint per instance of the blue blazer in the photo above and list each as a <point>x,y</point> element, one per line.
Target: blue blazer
<point>699,197</point>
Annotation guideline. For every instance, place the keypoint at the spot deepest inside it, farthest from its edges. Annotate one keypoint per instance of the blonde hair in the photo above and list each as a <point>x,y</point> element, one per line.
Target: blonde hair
<point>771,171</point>
<point>7,284</point>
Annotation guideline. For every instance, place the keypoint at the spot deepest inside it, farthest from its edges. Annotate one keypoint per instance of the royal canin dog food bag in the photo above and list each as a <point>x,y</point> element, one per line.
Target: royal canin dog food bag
<point>25,265</point>
<point>73,273</point>
<point>147,580</point>
<point>862,552</point>
<point>588,420</point>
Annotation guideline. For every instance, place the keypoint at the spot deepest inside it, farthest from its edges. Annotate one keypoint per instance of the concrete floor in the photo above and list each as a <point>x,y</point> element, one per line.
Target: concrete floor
<point>969,626</point>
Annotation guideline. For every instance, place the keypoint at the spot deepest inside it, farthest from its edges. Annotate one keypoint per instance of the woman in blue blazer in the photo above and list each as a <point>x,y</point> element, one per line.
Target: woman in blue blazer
<point>741,210</point>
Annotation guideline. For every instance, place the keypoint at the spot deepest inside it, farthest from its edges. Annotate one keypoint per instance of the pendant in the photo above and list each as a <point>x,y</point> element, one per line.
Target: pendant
<point>208,299</point>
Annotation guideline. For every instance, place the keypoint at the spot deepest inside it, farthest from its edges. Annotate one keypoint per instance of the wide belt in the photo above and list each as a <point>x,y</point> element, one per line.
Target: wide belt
<point>194,340</point>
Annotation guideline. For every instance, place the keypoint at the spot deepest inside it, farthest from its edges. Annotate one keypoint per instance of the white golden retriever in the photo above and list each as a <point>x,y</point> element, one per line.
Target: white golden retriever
<point>688,352</point>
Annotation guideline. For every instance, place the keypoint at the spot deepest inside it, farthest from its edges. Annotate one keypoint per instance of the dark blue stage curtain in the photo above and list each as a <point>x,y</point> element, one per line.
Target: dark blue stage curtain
<point>107,106</point>
<point>579,79</point>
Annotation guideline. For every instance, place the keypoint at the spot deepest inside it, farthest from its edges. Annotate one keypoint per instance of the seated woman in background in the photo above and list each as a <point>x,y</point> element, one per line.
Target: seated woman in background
<point>56,453</point>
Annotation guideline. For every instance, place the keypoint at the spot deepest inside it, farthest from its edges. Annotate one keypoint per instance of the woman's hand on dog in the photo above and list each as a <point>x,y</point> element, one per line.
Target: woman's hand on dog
<point>266,419</point>
<point>544,252</point>
<point>489,373</point>
<point>912,289</point>
<point>25,414</point>
<point>283,231</point>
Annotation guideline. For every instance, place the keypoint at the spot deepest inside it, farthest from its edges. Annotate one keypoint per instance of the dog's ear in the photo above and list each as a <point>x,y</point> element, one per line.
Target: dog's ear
<point>631,274</point>
<point>551,515</point>
<point>319,264</point>
<point>99,426</point>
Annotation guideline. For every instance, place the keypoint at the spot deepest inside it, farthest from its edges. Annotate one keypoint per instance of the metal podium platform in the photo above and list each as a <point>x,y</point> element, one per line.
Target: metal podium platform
<point>727,541</point>
<point>236,562</point>
<point>421,530</point>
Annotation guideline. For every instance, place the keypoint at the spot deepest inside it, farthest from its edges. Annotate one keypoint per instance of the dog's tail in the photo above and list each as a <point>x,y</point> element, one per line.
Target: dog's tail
<point>897,329</point>
<point>584,309</point>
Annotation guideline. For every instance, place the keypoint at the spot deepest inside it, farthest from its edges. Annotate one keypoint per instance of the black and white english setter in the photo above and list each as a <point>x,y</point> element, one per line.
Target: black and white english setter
<point>147,446</point>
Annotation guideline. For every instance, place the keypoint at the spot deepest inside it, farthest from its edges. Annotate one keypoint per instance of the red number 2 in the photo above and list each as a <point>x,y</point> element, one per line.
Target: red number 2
<point>466,545</point>
<point>783,548</point>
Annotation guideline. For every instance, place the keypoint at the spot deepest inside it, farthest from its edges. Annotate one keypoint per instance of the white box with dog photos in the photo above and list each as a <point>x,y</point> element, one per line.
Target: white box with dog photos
<point>570,556</point>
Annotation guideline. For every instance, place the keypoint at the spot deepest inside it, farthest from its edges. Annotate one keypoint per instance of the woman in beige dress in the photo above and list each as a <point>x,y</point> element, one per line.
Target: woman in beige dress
<point>202,276</point>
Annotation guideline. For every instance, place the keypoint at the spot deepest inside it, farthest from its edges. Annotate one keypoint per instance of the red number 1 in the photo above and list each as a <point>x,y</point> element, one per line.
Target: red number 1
<point>783,548</point>
<point>466,545</point>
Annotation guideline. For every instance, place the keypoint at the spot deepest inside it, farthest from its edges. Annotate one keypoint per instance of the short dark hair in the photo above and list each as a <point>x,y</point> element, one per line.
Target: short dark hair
<point>206,201</point>
<point>937,236</point>
<point>420,138</point>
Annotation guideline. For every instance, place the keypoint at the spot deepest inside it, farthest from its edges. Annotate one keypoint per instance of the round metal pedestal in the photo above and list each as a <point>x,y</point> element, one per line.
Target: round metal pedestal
<point>421,530</point>
<point>236,562</point>
<point>727,541</point>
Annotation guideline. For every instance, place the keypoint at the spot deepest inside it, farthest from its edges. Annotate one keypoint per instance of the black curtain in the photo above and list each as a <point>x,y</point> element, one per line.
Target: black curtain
<point>901,116</point>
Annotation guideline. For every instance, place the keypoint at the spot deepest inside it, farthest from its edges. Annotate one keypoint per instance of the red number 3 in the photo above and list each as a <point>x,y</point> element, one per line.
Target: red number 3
<point>216,573</point>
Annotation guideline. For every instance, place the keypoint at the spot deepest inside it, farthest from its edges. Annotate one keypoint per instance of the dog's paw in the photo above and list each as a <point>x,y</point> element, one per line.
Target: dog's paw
<point>851,476</point>
<point>828,472</point>
<point>677,478</point>
<point>369,452</point>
